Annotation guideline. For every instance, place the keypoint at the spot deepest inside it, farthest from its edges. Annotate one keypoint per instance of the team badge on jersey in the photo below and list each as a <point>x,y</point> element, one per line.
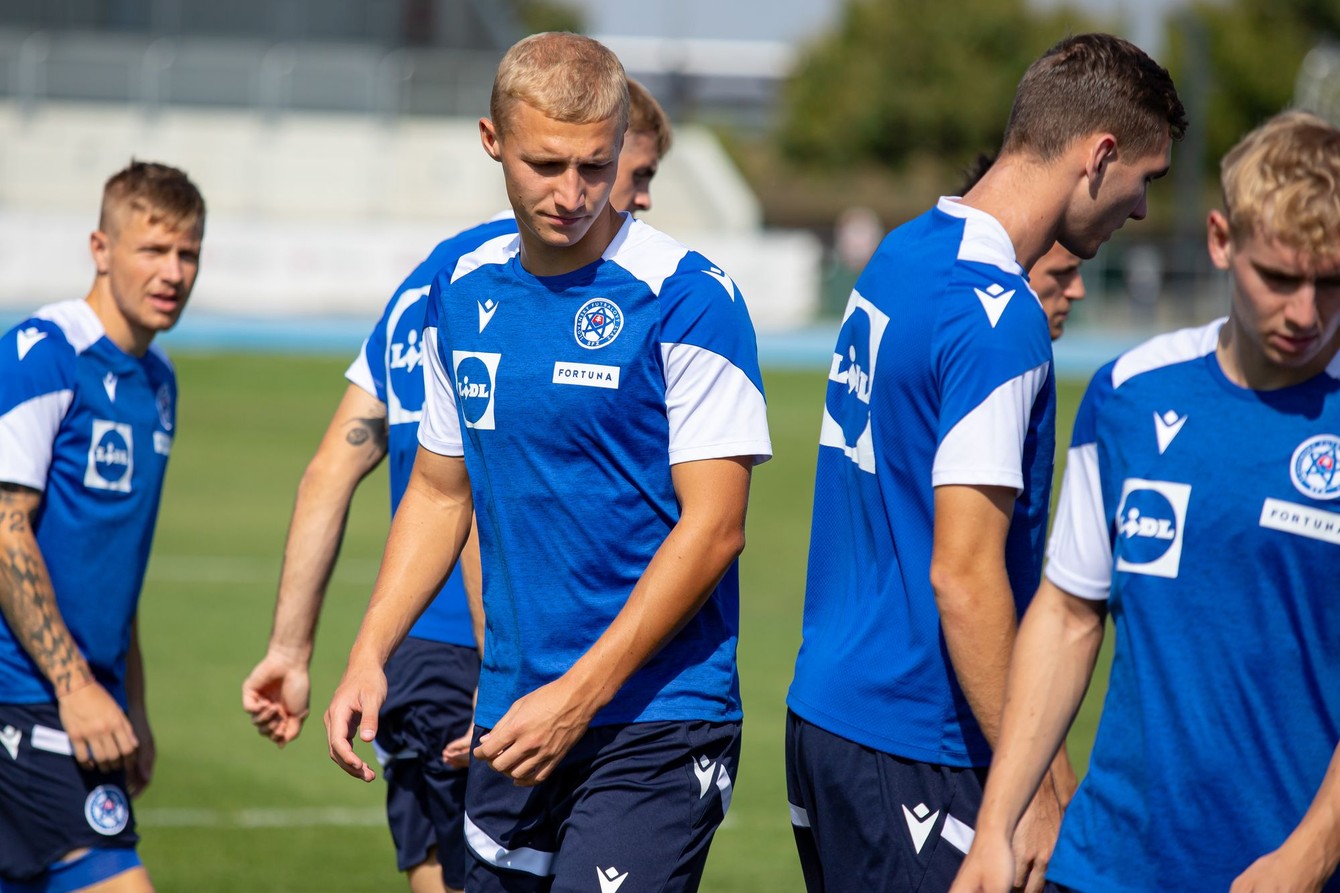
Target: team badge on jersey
<point>476,379</point>
<point>1150,526</point>
<point>1315,467</point>
<point>598,323</point>
<point>111,457</point>
<point>846,422</point>
<point>107,810</point>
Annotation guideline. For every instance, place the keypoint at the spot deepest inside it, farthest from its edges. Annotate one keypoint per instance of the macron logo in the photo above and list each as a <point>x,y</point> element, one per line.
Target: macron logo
<point>610,879</point>
<point>994,301</point>
<point>10,738</point>
<point>27,339</point>
<point>920,820</point>
<point>705,769</point>
<point>109,385</point>
<point>487,308</point>
<point>723,280</point>
<point>1167,426</point>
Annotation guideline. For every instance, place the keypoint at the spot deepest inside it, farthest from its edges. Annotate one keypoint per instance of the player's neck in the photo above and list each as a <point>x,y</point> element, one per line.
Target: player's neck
<point>1025,202</point>
<point>120,331</point>
<point>541,259</point>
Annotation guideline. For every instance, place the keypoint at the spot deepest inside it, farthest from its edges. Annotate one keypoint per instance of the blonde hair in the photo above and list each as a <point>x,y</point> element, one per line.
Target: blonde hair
<point>567,77</point>
<point>645,115</point>
<point>1282,181</point>
<point>164,193</point>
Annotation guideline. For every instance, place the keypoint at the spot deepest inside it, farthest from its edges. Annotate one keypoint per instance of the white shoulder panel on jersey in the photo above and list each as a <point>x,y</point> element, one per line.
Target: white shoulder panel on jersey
<point>440,427</point>
<point>161,355</point>
<point>984,239</point>
<point>646,252</point>
<point>1079,555</point>
<point>1333,368</point>
<point>359,372</point>
<point>77,320</point>
<point>714,410</point>
<point>498,250</point>
<point>1167,350</point>
<point>986,447</point>
<point>27,434</point>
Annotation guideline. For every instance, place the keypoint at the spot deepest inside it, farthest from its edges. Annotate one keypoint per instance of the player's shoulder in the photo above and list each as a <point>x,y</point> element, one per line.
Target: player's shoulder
<point>54,334</point>
<point>670,269</point>
<point>488,244</point>
<point>1162,353</point>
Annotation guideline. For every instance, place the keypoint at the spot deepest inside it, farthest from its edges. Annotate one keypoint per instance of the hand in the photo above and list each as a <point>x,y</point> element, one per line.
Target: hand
<point>100,733</point>
<point>457,752</point>
<point>140,768</point>
<point>989,867</point>
<point>1288,869</point>
<point>276,694</point>
<point>354,707</point>
<point>1035,838</point>
<point>535,733</point>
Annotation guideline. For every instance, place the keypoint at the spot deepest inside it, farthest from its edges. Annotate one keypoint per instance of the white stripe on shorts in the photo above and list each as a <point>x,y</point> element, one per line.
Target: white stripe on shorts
<point>536,862</point>
<point>51,740</point>
<point>799,817</point>
<point>957,834</point>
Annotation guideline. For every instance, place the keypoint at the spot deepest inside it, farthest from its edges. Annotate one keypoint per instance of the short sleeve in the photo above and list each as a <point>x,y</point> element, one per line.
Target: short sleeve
<point>440,427</point>
<point>36,390</point>
<point>714,390</point>
<point>368,370</point>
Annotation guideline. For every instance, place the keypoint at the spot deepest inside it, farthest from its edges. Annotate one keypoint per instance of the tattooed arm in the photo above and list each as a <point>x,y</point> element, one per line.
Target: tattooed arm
<point>276,693</point>
<point>99,731</point>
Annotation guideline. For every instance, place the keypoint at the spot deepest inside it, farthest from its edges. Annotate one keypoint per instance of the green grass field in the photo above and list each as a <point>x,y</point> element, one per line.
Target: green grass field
<point>229,812</point>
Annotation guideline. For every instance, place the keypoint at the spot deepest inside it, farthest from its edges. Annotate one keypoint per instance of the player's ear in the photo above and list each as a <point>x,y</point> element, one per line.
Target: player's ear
<point>1100,150</point>
<point>490,139</point>
<point>100,247</point>
<point>1219,236</point>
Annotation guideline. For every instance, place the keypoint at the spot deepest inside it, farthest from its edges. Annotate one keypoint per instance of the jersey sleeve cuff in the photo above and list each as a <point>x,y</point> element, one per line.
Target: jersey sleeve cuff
<point>978,477</point>
<point>439,446</point>
<point>759,451</point>
<point>1076,584</point>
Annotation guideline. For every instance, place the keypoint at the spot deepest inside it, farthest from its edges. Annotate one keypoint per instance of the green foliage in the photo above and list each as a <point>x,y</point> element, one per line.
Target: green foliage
<point>1253,49</point>
<point>550,15</point>
<point>902,77</point>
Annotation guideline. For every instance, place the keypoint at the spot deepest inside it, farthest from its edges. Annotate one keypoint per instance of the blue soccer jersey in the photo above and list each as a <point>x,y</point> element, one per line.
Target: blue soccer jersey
<point>390,366</point>
<point>1208,517</point>
<point>91,427</point>
<point>942,375</point>
<point>571,397</point>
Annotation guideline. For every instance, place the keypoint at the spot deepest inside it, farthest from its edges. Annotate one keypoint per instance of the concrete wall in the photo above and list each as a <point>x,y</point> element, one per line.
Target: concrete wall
<point>324,214</point>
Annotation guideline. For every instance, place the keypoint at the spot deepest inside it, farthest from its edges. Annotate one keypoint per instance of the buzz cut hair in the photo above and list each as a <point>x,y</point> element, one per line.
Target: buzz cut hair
<point>1093,83</point>
<point>645,115</point>
<point>1282,181</point>
<point>564,76</point>
<point>162,192</point>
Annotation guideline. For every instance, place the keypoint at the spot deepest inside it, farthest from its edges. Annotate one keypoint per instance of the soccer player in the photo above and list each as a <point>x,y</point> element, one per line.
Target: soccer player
<point>593,396</point>
<point>1199,506</point>
<point>934,475</point>
<point>432,675</point>
<point>88,410</point>
<point>1055,277</point>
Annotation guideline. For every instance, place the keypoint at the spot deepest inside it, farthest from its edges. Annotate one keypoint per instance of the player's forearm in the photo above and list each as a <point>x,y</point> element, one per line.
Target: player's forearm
<point>472,578</point>
<point>27,599</point>
<point>1054,656</point>
<point>977,617</point>
<point>427,535</point>
<point>1317,836</point>
<point>677,582</point>
<point>316,531</point>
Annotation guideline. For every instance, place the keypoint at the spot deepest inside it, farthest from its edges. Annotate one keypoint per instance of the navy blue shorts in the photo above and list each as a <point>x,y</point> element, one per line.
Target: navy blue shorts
<point>870,821</point>
<point>429,702</point>
<point>631,808</point>
<point>49,805</point>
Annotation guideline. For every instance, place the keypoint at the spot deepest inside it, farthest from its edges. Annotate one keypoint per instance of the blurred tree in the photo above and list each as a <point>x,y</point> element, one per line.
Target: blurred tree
<point>549,15</point>
<point>897,78</point>
<point>1252,49</point>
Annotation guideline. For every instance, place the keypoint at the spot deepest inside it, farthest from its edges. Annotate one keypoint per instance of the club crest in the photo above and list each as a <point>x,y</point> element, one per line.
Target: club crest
<point>598,323</point>
<point>1315,467</point>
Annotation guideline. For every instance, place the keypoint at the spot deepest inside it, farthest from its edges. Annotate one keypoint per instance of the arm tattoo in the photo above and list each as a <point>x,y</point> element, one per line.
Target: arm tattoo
<point>27,600</point>
<point>364,431</point>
